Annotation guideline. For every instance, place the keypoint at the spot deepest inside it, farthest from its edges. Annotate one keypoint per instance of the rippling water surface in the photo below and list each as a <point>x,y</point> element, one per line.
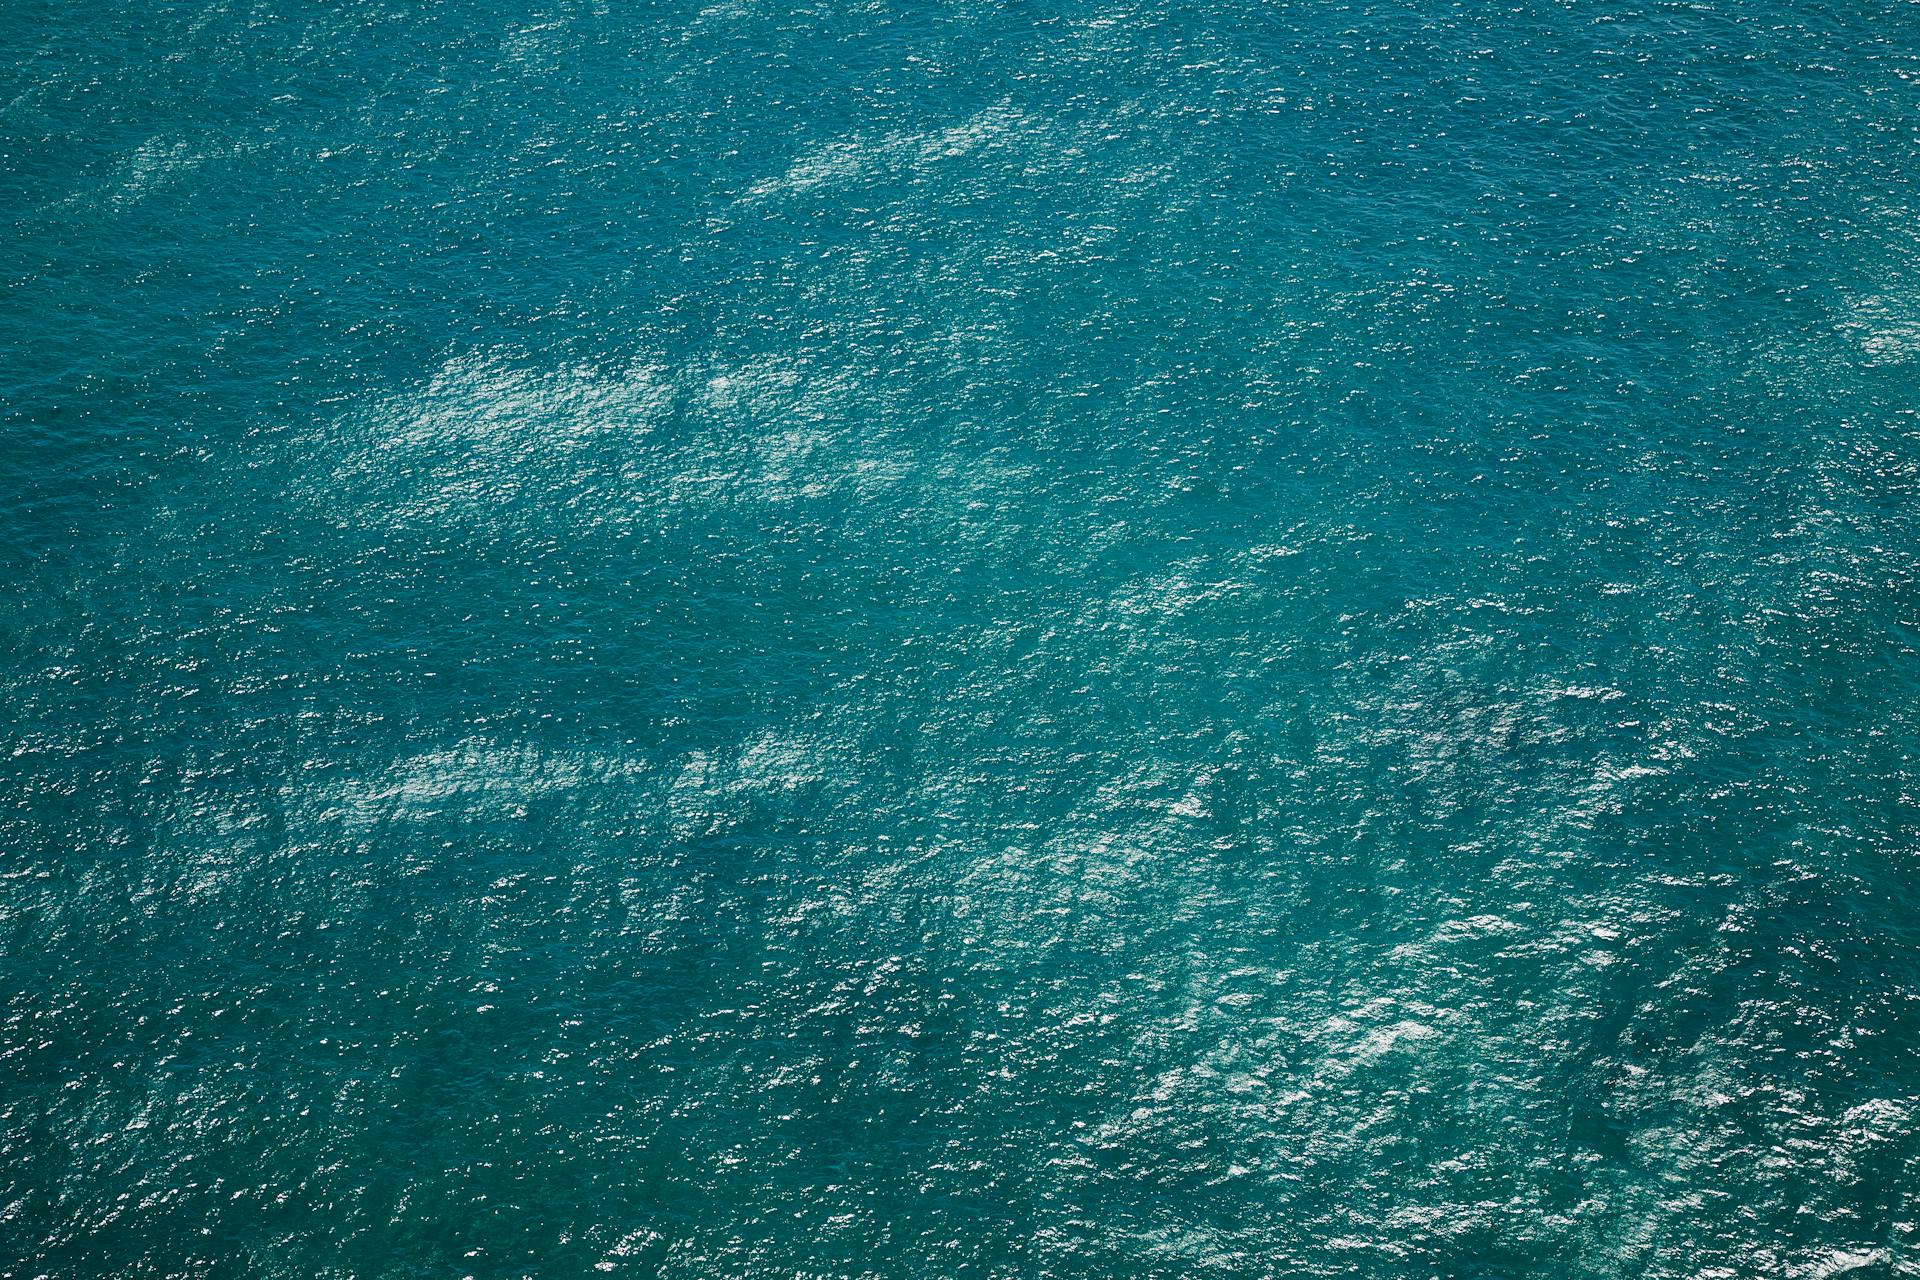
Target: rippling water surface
<point>934,640</point>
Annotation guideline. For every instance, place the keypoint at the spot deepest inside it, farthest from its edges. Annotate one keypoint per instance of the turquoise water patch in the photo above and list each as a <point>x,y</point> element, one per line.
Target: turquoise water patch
<point>1006,641</point>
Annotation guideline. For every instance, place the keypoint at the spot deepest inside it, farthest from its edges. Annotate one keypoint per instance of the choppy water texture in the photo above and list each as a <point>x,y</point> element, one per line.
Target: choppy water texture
<point>939,640</point>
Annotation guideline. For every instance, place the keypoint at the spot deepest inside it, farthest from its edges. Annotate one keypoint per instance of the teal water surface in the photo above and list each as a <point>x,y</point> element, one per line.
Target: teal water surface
<point>1016,640</point>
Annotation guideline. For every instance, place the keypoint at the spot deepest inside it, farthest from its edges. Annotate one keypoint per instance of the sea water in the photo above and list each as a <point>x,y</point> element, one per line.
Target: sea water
<point>1016,640</point>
